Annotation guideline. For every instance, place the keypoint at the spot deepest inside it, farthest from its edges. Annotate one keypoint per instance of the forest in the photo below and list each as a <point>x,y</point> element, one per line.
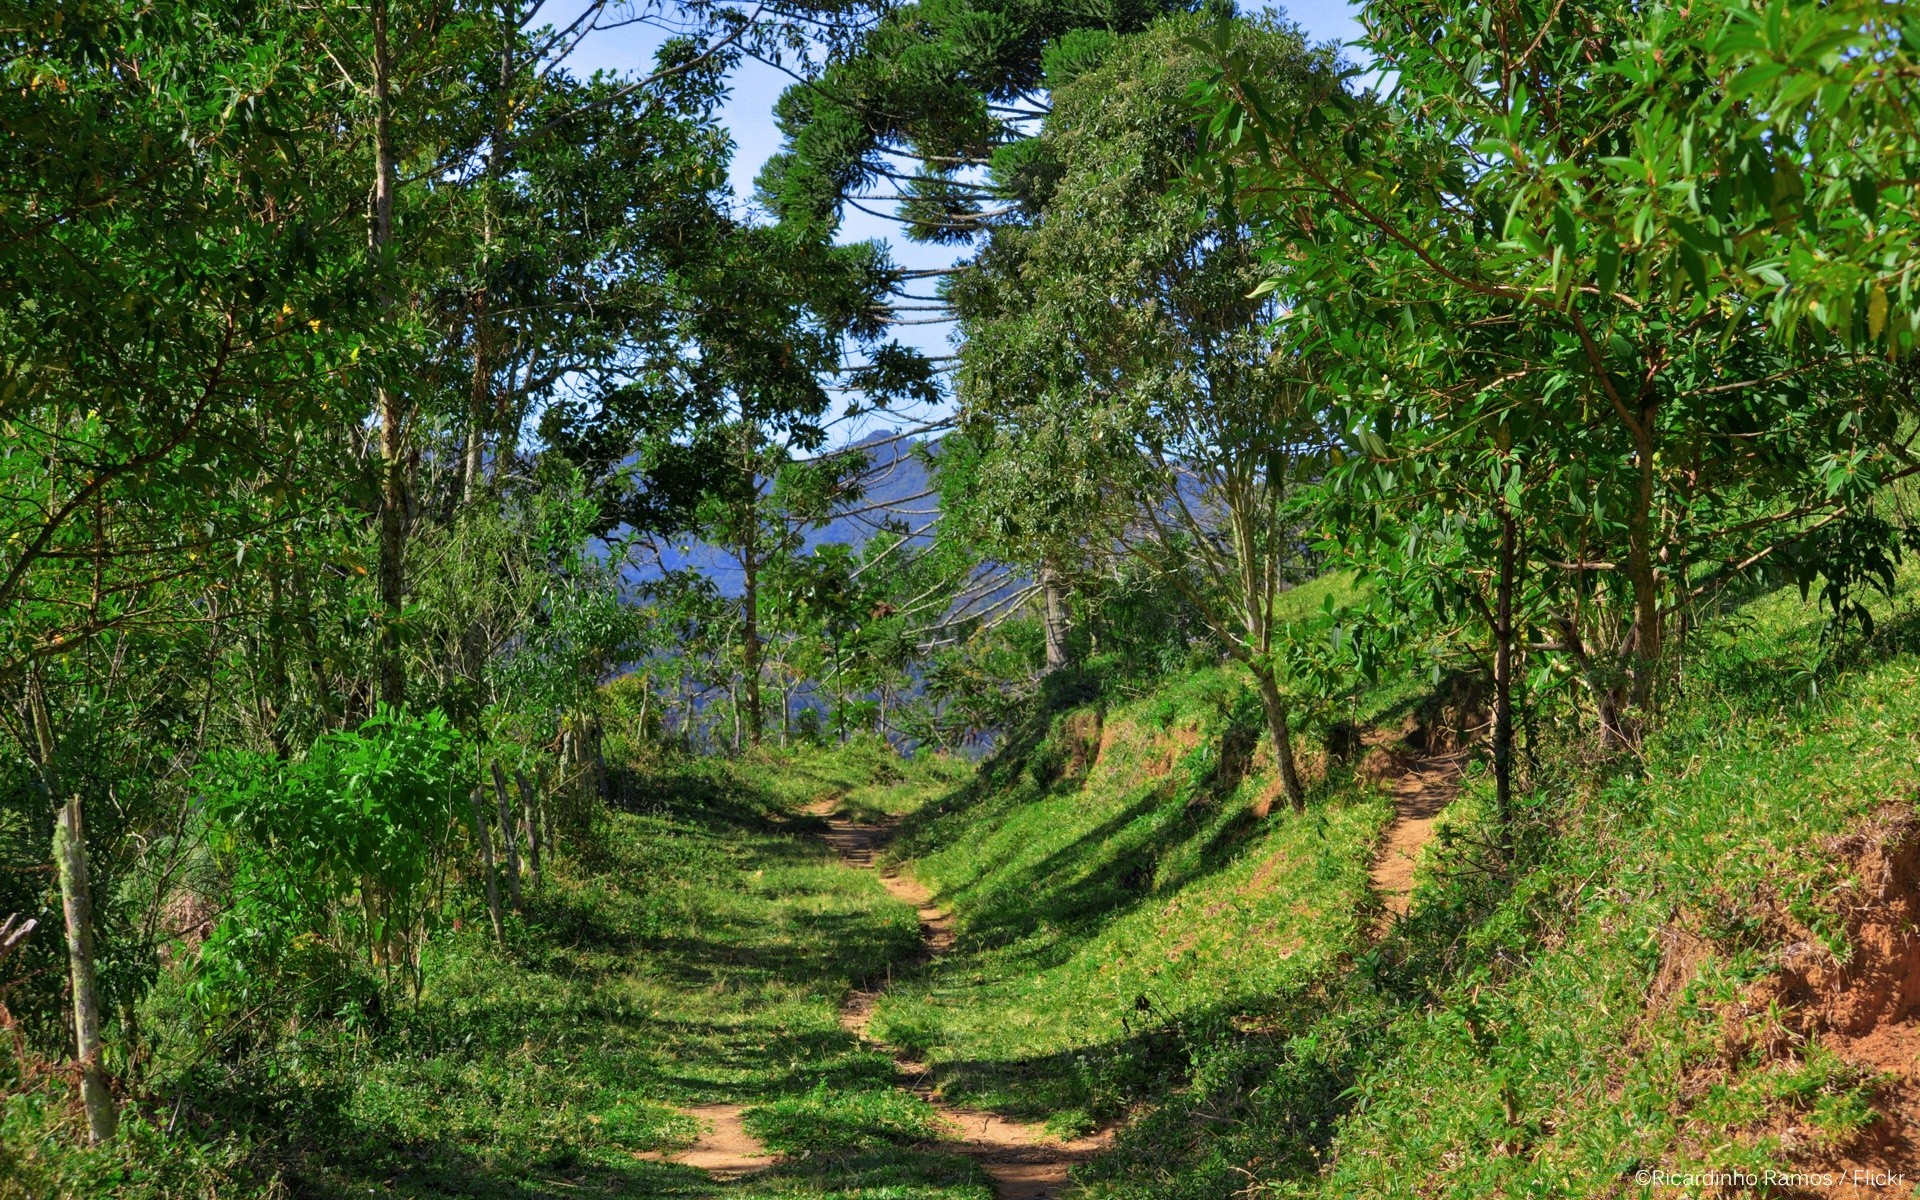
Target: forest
<point>1373,651</point>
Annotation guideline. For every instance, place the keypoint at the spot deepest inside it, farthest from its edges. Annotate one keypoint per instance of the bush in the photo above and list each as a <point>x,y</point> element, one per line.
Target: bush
<point>335,850</point>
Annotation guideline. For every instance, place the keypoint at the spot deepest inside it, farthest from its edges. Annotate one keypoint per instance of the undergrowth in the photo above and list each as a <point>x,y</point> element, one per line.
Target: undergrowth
<point>1572,1019</point>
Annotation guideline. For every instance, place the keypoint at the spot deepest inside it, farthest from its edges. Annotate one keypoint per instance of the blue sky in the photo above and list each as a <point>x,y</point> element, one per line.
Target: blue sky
<point>748,114</point>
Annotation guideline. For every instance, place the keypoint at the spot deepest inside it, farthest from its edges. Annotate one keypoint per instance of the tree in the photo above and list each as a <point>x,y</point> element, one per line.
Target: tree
<point>1413,234</point>
<point>178,269</point>
<point>726,409</point>
<point>926,98</point>
<point>1129,310</point>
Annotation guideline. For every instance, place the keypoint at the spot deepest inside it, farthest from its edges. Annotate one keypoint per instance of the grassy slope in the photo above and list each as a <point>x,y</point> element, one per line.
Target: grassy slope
<point>704,960</point>
<point>1132,939</point>
<point>1609,1009</point>
<point>1616,1015</point>
<point>1117,898</point>
<point>1131,936</point>
<point>1119,905</point>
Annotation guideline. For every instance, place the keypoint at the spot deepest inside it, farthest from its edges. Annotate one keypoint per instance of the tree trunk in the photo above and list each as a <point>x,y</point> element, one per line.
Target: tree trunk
<point>529,814</point>
<point>1054,594</point>
<point>1641,573</point>
<point>310,641</point>
<point>76,904</point>
<point>1276,709</point>
<point>479,398</point>
<point>391,577</point>
<point>486,861</point>
<point>70,852</point>
<point>509,840</point>
<point>1605,696</point>
<point>750,638</point>
<point>1503,675</point>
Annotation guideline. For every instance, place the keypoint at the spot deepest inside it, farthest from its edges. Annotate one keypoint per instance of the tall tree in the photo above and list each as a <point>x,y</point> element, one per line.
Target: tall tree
<point>1424,220</point>
<point>721,426</point>
<point>1122,334</point>
<point>183,276</point>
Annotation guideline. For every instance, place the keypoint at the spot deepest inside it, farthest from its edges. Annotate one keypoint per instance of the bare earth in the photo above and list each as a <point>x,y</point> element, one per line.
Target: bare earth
<point>1420,791</point>
<point>1024,1162</point>
<point>725,1149</point>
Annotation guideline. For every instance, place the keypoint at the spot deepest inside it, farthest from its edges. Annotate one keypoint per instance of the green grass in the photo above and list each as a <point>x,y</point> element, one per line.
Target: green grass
<point>1115,898</point>
<point>864,777</point>
<point>1131,941</point>
<point>702,959</point>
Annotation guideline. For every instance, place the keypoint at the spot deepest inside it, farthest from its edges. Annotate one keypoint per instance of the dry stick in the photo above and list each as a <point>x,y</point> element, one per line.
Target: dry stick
<point>528,805</point>
<point>506,832</point>
<point>11,937</point>
<point>486,857</point>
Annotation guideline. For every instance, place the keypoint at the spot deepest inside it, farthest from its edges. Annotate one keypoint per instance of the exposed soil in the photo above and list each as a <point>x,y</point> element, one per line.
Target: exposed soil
<point>1024,1162</point>
<point>1423,784</point>
<point>724,1148</point>
<point>1868,1007</point>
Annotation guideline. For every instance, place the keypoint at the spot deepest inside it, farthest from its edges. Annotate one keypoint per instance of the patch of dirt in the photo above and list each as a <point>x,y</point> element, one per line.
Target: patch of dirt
<point>1682,954</point>
<point>1866,1009</point>
<point>1422,784</point>
<point>1022,1159</point>
<point>860,844</point>
<point>1880,984</point>
<point>724,1148</point>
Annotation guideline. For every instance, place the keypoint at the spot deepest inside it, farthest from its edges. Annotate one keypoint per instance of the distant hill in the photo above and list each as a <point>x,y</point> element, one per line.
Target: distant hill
<point>897,490</point>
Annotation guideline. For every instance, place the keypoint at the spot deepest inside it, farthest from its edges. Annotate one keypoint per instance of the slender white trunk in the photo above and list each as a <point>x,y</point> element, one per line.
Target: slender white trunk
<point>76,904</point>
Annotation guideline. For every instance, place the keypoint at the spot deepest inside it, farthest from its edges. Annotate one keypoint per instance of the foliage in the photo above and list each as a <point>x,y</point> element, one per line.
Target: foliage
<point>1532,349</point>
<point>704,961</point>
<point>1117,368</point>
<point>367,375</point>
<point>343,843</point>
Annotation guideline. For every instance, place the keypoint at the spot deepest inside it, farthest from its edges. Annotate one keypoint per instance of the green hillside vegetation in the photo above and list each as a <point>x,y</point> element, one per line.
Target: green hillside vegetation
<point>700,957</point>
<point>1676,970</point>
<point>1346,629</point>
<point>1112,885</point>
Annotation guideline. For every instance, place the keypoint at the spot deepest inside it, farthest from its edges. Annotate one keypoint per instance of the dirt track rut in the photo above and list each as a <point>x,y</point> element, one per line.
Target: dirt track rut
<point>1024,1162</point>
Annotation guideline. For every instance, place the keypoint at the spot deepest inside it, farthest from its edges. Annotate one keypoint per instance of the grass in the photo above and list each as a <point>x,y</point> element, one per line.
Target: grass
<point>865,778</point>
<point>1116,899</point>
<point>1609,1007</point>
<point>1132,940</point>
<point>702,959</point>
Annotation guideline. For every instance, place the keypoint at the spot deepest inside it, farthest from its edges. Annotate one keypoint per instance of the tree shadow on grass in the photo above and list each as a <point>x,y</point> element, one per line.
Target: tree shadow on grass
<point>437,1173</point>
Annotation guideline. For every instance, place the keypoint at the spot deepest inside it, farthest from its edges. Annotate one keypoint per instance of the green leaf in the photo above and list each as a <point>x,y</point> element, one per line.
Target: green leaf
<point>1866,195</point>
<point>1564,230</point>
<point>1607,262</point>
<point>1695,267</point>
